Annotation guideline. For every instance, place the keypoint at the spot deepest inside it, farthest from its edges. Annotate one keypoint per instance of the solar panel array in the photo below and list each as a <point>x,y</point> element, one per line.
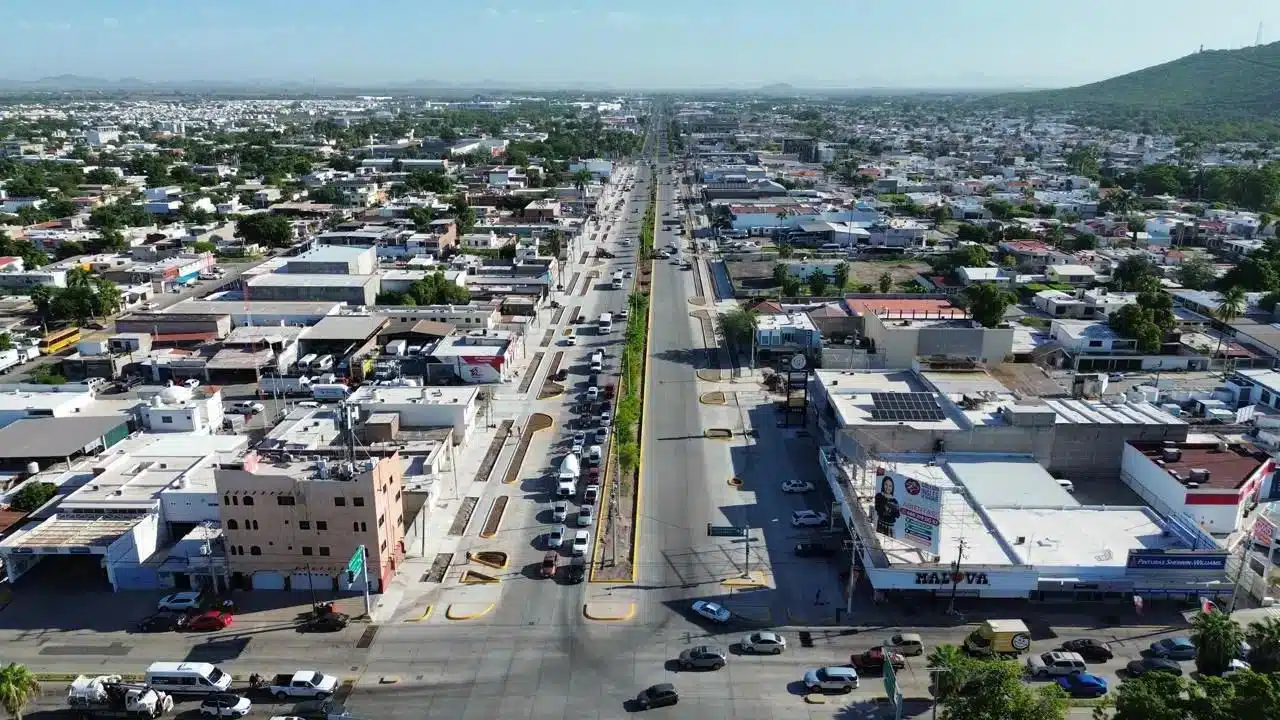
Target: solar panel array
<point>906,406</point>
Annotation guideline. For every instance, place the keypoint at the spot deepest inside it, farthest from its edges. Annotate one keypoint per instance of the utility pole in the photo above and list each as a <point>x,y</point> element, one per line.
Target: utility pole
<point>746,544</point>
<point>1235,584</point>
<point>955,575</point>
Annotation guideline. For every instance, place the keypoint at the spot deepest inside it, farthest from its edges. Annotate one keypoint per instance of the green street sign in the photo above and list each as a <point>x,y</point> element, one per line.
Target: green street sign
<point>356,563</point>
<point>725,531</point>
<point>890,679</point>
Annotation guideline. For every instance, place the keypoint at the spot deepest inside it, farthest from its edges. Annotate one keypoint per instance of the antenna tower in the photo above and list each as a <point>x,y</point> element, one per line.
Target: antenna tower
<point>1258,39</point>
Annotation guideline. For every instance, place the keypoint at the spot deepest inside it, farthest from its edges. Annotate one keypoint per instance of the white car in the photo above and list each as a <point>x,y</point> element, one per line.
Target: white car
<point>712,611</point>
<point>179,601</point>
<point>191,383</point>
<point>763,642</point>
<point>226,705</point>
<point>606,417</point>
<point>560,511</point>
<point>808,518</point>
<point>797,486</point>
<point>555,538</point>
<point>593,393</point>
<point>572,340</point>
<point>581,541</point>
<point>248,406</point>
<point>839,678</point>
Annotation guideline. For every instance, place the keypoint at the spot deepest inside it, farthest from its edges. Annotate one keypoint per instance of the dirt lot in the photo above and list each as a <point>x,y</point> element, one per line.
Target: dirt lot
<point>870,272</point>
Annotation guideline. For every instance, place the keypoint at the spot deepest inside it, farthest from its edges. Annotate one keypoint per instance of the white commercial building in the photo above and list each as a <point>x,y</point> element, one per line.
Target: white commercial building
<point>423,407</point>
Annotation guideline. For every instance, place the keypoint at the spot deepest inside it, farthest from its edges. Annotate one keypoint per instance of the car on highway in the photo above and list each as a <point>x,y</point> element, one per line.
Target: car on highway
<point>225,705</point>
<point>549,561</point>
<point>808,518</point>
<point>702,656</point>
<point>763,642</point>
<point>576,448</point>
<point>565,487</point>
<point>560,511</point>
<point>1177,648</point>
<point>908,644</point>
<point>714,612</point>
<point>185,600</point>
<point>814,549</point>
<point>208,621</point>
<point>555,538</point>
<point>1083,685</point>
<point>873,660</point>
<point>836,677</point>
<point>660,695</point>
<point>581,541</point>
<point>1142,666</point>
<point>602,434</point>
<point>797,486</point>
<point>593,393</point>
<point>586,515</point>
<point>159,622</point>
<point>1090,649</point>
<point>606,416</point>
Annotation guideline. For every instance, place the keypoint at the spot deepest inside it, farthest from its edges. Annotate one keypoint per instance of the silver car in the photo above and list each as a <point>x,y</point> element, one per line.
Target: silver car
<point>770,643</point>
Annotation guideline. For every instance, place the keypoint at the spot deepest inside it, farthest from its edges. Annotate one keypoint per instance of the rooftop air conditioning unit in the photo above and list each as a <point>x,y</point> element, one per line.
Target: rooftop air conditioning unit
<point>1171,454</point>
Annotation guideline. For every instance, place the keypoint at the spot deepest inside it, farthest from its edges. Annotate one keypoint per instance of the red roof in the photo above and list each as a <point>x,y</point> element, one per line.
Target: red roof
<point>767,307</point>
<point>930,307</point>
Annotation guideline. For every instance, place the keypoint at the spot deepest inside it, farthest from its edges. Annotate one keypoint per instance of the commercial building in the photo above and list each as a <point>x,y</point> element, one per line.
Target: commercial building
<point>422,407</point>
<point>1212,481</point>
<point>480,356</point>
<point>786,334</point>
<point>244,313</point>
<point>22,400</point>
<point>334,260</point>
<point>351,289</point>
<point>179,409</point>
<point>294,524</point>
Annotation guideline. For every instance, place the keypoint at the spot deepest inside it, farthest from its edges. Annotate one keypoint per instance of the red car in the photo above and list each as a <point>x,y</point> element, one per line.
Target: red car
<point>207,621</point>
<point>873,660</point>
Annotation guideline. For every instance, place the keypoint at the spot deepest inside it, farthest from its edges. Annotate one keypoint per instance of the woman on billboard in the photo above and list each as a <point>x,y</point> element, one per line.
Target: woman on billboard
<point>886,506</point>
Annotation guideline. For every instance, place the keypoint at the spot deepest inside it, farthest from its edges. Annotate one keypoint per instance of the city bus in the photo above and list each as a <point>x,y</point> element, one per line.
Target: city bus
<point>59,340</point>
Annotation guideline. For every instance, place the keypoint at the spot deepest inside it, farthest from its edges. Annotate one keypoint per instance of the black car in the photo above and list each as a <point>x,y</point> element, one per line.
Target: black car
<point>561,374</point>
<point>325,622</point>
<point>1138,668</point>
<point>659,695</point>
<point>160,622</point>
<point>1089,649</point>
<point>577,570</point>
<point>814,549</point>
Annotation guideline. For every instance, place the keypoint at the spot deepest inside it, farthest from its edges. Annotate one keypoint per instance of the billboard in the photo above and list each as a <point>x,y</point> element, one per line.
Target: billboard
<point>908,510</point>
<point>1177,560</point>
<point>1264,532</point>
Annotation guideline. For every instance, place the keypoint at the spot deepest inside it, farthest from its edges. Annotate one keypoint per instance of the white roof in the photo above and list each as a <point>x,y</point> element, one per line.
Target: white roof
<point>396,395</point>
<point>1072,270</point>
<point>976,274</point>
<point>1058,536</point>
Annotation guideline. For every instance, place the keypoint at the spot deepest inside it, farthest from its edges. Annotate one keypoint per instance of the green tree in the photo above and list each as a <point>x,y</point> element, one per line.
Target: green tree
<point>1217,639</point>
<point>1150,696</point>
<point>18,687</point>
<point>968,232</point>
<point>1264,638</point>
<point>264,229</point>
<point>948,666</point>
<point>818,282</point>
<point>507,252</point>
<point>994,690</point>
<point>1120,202</point>
<point>971,256</point>
<point>791,286</point>
<point>739,325</point>
<point>110,239</point>
<point>204,246</point>
<point>1229,308</point>
<point>785,250</point>
<point>780,273</point>
<point>987,303</point>
<point>840,274</point>
<point>885,282</point>
<point>32,496</point>
<point>1132,272</point>
<point>1083,161</point>
<point>6,341</point>
<point>101,176</point>
<point>555,242</point>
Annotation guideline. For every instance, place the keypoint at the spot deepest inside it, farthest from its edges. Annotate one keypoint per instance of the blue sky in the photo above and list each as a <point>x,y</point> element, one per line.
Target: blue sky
<point>640,43</point>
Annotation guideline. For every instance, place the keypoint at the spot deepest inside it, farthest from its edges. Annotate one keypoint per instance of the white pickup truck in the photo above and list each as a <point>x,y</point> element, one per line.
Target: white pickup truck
<point>303,684</point>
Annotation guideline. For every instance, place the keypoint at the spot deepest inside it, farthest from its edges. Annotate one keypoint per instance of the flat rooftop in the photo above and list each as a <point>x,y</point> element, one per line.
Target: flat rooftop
<point>1228,469</point>
<point>1098,412</point>
<point>60,531</point>
<point>55,437</point>
<point>314,279</point>
<point>13,399</point>
<point>338,253</point>
<point>345,328</point>
<point>903,307</point>
<point>1008,482</point>
<point>397,395</point>
<point>240,307</point>
<point>303,429</point>
<point>1080,536</point>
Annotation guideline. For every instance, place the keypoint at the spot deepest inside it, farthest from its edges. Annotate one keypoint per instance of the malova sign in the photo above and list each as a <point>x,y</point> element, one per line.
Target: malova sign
<point>950,578</point>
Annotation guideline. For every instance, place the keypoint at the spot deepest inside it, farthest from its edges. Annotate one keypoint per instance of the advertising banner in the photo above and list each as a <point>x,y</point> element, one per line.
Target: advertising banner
<point>1264,532</point>
<point>908,510</point>
<point>1160,560</point>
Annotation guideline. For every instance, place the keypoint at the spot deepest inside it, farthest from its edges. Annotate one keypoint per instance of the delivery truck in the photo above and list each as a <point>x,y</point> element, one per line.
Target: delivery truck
<point>109,696</point>
<point>272,385</point>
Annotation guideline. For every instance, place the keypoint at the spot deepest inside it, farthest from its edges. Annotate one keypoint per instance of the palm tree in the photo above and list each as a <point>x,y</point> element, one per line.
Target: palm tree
<point>18,686</point>
<point>1264,637</point>
<point>581,178</point>
<point>1230,308</point>
<point>1217,639</point>
<point>947,664</point>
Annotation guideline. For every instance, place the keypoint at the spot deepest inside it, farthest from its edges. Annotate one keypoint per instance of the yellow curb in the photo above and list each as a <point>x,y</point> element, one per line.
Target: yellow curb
<point>707,376</point>
<point>471,577</point>
<point>715,397</point>
<point>815,699</point>
<point>630,613</point>
<point>718,434</point>
<point>459,615</point>
<point>422,618</point>
<point>502,512</point>
<point>757,579</point>
<point>478,556</point>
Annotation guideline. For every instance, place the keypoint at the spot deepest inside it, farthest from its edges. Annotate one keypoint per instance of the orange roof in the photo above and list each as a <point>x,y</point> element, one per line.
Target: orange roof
<point>932,307</point>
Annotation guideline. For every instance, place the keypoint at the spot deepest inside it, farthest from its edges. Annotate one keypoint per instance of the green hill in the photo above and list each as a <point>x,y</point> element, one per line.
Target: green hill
<point>1241,83</point>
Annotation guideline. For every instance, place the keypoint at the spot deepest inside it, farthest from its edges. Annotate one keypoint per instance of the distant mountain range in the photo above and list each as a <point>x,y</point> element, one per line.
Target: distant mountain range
<point>1244,82</point>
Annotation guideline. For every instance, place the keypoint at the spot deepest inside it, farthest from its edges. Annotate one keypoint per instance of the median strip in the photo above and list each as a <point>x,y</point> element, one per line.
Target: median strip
<point>609,612</point>
<point>467,611</point>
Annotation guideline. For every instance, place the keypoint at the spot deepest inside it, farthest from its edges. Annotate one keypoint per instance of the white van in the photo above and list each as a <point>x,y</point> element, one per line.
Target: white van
<point>187,678</point>
<point>304,363</point>
<point>597,361</point>
<point>323,363</point>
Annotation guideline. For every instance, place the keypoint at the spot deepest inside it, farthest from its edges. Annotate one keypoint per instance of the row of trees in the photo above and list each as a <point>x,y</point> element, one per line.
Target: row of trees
<point>1255,188</point>
<point>86,296</point>
<point>627,417</point>
<point>434,289</point>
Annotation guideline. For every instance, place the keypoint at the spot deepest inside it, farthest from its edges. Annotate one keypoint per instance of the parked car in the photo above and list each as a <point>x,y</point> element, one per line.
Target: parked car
<point>1089,649</point>
<point>765,642</point>
<point>1083,685</point>
<point>1178,648</point>
<point>908,644</point>
<point>1142,666</point>
<point>660,695</point>
<point>873,660</point>
<point>549,562</point>
<point>159,622</point>
<point>225,705</point>
<point>325,622</point>
<point>797,486</point>
<point>207,621</point>
<point>555,538</point>
<point>702,656</point>
<point>711,611</point>
<point>248,406</point>
<point>837,678</point>
<point>808,518</point>
<point>561,374</point>
<point>186,600</point>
